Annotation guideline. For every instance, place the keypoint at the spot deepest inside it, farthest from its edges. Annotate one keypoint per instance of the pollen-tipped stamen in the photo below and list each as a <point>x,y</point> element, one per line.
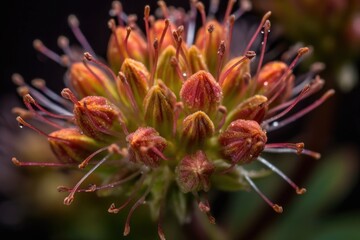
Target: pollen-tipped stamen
<point>74,25</point>
<point>147,31</point>
<point>302,112</point>
<point>204,206</point>
<point>266,30</point>
<point>18,163</point>
<point>282,175</point>
<point>299,147</point>
<point>265,17</point>
<point>117,10</point>
<point>70,198</point>
<point>229,8</point>
<point>276,207</point>
<point>164,9</point>
<point>63,43</point>
<point>307,152</point>
<point>39,46</point>
<point>220,61</point>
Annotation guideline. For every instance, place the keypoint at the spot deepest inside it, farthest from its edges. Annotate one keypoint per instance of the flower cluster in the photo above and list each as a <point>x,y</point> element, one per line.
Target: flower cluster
<point>172,112</point>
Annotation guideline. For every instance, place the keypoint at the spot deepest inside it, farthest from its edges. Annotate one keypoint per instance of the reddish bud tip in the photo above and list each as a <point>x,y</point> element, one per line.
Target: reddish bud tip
<point>300,191</point>
<point>243,141</point>
<point>277,208</point>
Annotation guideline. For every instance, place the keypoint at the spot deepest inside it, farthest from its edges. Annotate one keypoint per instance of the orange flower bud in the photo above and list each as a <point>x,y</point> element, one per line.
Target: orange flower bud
<point>197,127</point>
<point>98,118</point>
<point>270,75</point>
<point>146,146</point>
<point>201,92</point>
<point>91,80</point>
<point>134,47</point>
<point>235,80</point>
<point>193,173</point>
<point>243,141</point>
<point>253,108</point>
<point>72,145</point>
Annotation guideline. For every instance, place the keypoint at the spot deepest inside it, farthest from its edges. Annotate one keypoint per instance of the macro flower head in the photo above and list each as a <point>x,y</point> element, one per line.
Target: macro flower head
<point>173,111</point>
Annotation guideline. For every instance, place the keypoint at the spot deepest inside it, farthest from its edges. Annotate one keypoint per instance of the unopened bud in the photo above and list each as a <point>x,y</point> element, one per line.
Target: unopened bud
<point>146,146</point>
<point>193,173</point>
<point>197,127</point>
<point>159,109</point>
<point>243,141</point>
<point>196,59</point>
<point>201,93</point>
<point>70,146</point>
<point>98,118</point>
<point>90,81</point>
<point>253,108</point>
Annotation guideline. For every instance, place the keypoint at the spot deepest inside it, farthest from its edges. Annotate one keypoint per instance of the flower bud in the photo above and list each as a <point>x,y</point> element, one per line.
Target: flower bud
<point>117,52</point>
<point>234,80</point>
<point>193,173</point>
<point>98,118</point>
<point>208,39</point>
<point>269,76</point>
<point>137,77</point>
<point>243,141</point>
<point>159,108</point>
<point>91,82</point>
<point>196,59</point>
<point>201,93</point>
<point>146,146</point>
<point>167,72</point>
<point>70,146</point>
<point>253,108</point>
<point>197,127</point>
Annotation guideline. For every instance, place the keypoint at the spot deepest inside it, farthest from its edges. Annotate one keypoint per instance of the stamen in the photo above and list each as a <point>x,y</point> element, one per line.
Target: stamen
<point>223,111</point>
<point>204,207</point>
<point>39,46</point>
<point>63,43</point>
<point>68,94</point>
<point>220,53</point>
<point>156,57</point>
<point>84,163</point>
<point>228,10</point>
<point>249,55</point>
<point>245,6</point>
<point>74,25</point>
<point>230,32</point>
<point>213,8</point>
<point>113,209</point>
<point>275,88</point>
<point>282,175</point>
<point>315,69</point>
<point>147,30</point>
<point>29,100</point>
<point>276,207</point>
<point>23,123</point>
<point>307,152</point>
<point>70,198</point>
<point>265,17</point>
<point>167,23</point>
<point>112,27</point>
<point>190,35</point>
<point>133,208</point>
<point>18,163</point>
<point>128,31</point>
<point>23,113</point>
<point>201,9</point>
<point>164,9</point>
<point>284,112</point>
<point>175,64</point>
<point>299,147</point>
<point>94,188</point>
<point>128,90</point>
<point>267,26</point>
<point>117,10</point>
<point>302,112</point>
<point>41,85</point>
<point>90,58</point>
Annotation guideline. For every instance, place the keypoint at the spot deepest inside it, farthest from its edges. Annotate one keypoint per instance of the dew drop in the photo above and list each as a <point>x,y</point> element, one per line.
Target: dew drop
<point>262,43</point>
<point>262,32</point>
<point>275,124</point>
<point>21,125</point>
<point>184,75</point>
<point>268,30</point>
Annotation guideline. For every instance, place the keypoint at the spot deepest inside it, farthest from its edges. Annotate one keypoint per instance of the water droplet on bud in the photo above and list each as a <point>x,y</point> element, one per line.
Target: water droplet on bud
<point>262,32</point>
<point>21,125</point>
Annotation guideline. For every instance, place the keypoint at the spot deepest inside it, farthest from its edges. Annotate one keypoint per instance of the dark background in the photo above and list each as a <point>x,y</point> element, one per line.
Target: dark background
<point>46,20</point>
